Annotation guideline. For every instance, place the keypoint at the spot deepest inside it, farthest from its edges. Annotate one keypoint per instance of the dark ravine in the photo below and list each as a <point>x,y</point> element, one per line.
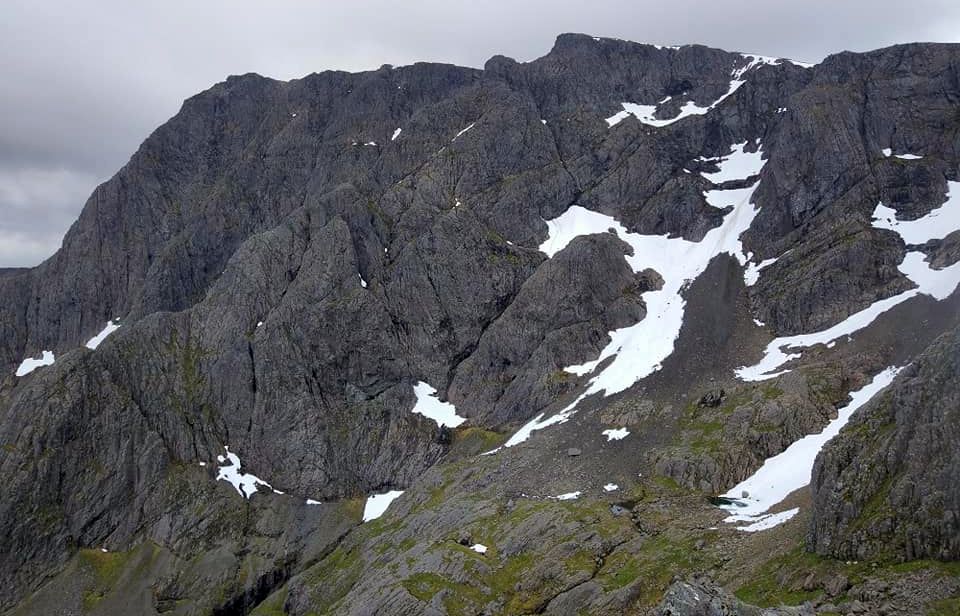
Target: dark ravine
<point>286,266</point>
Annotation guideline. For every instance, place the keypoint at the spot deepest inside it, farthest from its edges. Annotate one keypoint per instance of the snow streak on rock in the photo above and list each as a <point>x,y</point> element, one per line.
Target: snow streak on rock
<point>463,131</point>
<point>888,153</point>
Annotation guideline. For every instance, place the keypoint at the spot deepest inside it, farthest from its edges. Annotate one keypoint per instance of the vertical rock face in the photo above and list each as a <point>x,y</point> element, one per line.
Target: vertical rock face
<point>887,485</point>
<point>287,260</point>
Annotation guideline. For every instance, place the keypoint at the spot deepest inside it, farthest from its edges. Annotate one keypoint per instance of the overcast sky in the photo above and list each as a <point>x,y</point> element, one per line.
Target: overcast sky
<point>83,83</point>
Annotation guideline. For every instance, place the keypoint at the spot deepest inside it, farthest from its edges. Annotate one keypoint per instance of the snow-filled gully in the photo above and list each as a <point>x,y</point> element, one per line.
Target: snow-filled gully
<point>638,350</point>
<point>790,470</point>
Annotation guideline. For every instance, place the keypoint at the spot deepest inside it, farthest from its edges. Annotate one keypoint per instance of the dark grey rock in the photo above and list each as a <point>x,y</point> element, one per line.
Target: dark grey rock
<point>886,485</point>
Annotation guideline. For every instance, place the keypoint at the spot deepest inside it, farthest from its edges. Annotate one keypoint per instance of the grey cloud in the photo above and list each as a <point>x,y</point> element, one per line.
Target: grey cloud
<point>84,83</point>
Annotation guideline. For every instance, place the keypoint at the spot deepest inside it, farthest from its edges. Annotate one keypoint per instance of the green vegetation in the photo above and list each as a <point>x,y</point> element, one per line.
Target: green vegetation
<point>333,577</point>
<point>945,607</point>
<point>272,605</point>
<point>780,580</point>
<point>461,599</point>
<point>107,568</point>
<point>654,565</point>
<point>620,570</point>
<point>473,440</point>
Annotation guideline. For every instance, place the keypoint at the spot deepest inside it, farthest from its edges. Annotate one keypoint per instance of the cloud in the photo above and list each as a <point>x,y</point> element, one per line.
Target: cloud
<point>85,83</point>
<point>38,207</point>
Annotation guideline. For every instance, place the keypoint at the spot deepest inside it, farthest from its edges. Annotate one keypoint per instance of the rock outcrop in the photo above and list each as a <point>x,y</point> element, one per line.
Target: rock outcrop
<point>887,486</point>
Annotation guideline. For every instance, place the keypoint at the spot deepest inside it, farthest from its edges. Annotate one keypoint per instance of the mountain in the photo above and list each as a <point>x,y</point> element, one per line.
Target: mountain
<point>566,336</point>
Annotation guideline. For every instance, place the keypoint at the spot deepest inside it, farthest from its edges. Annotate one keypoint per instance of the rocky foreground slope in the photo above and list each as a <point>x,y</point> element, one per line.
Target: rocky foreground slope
<point>636,278</point>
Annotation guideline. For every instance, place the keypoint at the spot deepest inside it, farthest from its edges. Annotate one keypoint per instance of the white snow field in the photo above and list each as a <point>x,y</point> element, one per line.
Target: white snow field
<point>377,504</point>
<point>790,469</point>
<point>938,284</point>
<point>428,405</point>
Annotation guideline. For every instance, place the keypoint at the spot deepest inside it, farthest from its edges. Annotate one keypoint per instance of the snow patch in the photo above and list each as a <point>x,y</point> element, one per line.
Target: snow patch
<point>616,435</point>
<point>377,504</point>
<point>396,134</point>
<point>568,496</point>
<point>94,342</point>
<point>245,483</point>
<point>611,487</point>
<point>428,405</point>
<point>310,501</point>
<point>790,470</point>
<point>363,283</point>
<point>30,364</point>
<point>479,548</point>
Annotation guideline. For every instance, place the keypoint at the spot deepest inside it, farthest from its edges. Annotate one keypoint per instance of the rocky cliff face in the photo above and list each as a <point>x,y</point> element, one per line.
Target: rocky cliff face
<point>288,260</point>
<point>887,485</point>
